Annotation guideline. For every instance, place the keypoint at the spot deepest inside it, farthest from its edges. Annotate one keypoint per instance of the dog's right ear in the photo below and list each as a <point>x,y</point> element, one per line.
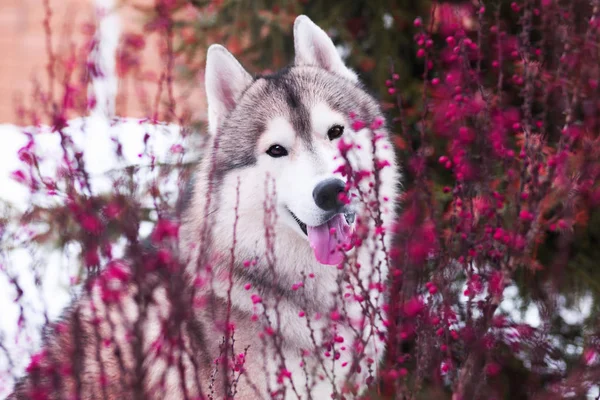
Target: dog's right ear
<point>225,80</point>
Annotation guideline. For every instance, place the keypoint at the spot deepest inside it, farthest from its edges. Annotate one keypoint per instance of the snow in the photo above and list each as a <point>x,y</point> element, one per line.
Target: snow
<point>93,135</point>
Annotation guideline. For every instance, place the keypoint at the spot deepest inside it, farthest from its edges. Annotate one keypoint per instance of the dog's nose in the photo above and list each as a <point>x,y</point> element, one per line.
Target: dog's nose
<point>326,194</point>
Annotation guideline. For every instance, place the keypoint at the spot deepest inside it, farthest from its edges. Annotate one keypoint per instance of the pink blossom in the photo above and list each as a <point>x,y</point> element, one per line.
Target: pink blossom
<point>165,229</point>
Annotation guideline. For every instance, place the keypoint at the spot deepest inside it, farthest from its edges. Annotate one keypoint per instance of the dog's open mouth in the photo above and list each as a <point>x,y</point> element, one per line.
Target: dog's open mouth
<point>349,216</point>
<point>301,224</point>
<point>329,239</point>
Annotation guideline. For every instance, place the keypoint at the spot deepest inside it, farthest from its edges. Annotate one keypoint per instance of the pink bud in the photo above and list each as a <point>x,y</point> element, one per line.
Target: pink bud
<point>492,369</point>
<point>526,215</point>
<point>358,125</point>
<point>256,299</point>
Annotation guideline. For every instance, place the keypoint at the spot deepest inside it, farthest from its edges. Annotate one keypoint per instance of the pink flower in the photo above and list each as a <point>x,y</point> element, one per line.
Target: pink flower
<point>526,215</point>
<point>90,223</point>
<point>36,361</point>
<point>413,307</point>
<point>165,229</point>
<point>357,125</point>
<point>492,369</point>
<point>256,299</point>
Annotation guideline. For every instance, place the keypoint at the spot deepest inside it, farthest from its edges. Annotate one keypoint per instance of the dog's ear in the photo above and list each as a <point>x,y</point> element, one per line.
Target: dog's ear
<point>314,47</point>
<point>225,80</point>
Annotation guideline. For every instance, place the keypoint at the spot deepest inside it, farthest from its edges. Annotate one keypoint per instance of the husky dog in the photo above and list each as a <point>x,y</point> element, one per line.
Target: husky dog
<point>285,242</point>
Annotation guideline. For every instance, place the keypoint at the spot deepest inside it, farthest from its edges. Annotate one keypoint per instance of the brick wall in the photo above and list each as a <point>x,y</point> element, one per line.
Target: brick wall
<point>22,45</point>
<point>24,58</point>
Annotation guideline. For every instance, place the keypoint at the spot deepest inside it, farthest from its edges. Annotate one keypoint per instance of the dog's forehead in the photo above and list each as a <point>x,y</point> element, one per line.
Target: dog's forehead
<point>293,93</point>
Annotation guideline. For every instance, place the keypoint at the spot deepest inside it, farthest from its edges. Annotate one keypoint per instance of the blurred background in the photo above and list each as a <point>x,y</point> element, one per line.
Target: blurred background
<point>119,69</point>
<point>259,33</point>
<point>73,25</point>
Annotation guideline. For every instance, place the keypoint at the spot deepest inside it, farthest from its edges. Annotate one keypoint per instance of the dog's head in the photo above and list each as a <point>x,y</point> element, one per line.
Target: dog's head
<point>285,129</point>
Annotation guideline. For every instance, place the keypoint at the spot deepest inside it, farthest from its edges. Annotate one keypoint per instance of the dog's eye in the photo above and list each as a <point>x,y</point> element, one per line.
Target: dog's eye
<point>335,132</point>
<point>277,151</point>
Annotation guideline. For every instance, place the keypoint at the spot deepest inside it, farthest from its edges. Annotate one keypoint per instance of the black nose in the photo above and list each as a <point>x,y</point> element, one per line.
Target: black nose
<point>326,194</point>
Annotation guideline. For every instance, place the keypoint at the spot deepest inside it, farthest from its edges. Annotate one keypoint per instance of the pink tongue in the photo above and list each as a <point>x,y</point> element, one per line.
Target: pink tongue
<point>325,239</point>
